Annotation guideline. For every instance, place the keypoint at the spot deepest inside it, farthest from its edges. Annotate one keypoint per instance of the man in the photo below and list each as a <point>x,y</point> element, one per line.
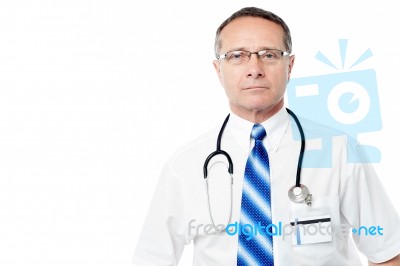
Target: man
<point>254,64</point>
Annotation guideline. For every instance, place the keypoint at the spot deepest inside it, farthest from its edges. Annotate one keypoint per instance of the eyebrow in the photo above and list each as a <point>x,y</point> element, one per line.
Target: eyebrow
<point>245,49</point>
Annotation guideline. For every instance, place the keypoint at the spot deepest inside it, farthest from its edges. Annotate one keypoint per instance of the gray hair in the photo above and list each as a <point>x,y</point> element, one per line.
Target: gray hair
<point>256,12</point>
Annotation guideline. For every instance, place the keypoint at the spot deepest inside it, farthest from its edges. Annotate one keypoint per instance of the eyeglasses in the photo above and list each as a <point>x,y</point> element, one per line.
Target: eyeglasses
<point>268,56</point>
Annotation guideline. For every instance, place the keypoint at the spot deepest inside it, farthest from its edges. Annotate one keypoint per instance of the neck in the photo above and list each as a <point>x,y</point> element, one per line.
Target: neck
<point>257,116</point>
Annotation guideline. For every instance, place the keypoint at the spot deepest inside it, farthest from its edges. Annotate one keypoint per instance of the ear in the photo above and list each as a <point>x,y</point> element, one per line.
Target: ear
<point>290,66</point>
<point>217,68</point>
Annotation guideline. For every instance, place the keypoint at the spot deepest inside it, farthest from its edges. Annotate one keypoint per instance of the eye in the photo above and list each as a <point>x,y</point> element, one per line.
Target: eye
<point>270,54</point>
<point>236,56</point>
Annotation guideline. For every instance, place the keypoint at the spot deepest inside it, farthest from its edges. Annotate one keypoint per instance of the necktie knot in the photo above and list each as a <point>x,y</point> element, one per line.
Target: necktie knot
<point>258,132</point>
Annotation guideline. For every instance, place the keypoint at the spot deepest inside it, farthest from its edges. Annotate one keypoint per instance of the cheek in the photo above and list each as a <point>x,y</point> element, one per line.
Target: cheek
<point>280,79</point>
<point>230,80</point>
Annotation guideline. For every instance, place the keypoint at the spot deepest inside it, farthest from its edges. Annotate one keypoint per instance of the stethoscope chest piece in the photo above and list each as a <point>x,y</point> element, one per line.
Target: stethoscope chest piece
<point>300,194</point>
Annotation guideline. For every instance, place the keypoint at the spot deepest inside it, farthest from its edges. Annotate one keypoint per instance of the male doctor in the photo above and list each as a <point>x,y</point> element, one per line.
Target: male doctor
<point>258,224</point>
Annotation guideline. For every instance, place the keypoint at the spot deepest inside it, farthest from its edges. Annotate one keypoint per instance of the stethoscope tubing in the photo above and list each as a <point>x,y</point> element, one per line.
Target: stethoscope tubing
<point>230,164</point>
<point>297,193</point>
<point>302,148</point>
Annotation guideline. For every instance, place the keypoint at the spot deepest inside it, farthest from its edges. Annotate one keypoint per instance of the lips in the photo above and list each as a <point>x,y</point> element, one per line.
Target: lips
<point>253,87</point>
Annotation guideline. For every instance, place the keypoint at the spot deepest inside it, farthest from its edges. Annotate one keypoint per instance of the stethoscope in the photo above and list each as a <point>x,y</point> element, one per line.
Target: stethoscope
<point>297,193</point>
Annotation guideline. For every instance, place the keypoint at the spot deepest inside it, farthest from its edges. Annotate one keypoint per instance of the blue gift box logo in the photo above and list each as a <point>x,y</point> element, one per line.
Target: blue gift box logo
<point>346,101</point>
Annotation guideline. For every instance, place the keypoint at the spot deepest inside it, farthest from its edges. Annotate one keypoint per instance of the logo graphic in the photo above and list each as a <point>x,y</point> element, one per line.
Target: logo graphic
<point>321,228</point>
<point>347,102</point>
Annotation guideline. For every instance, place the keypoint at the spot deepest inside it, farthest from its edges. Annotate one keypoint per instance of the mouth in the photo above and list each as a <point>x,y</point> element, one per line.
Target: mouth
<point>256,87</point>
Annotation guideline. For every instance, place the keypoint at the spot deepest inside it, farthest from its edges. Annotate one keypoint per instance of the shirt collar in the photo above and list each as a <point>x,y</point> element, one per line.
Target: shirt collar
<point>275,127</point>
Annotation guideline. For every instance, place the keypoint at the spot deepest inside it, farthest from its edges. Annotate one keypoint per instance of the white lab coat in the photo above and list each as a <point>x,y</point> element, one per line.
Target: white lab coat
<point>350,193</point>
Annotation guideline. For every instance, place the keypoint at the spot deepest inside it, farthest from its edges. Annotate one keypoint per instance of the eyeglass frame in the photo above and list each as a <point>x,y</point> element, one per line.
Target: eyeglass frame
<point>223,56</point>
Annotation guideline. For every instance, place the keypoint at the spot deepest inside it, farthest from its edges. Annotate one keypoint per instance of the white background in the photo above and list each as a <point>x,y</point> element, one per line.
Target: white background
<point>96,95</point>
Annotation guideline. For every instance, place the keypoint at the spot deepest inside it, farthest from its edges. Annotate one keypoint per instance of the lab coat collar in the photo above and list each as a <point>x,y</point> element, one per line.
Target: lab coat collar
<point>275,127</point>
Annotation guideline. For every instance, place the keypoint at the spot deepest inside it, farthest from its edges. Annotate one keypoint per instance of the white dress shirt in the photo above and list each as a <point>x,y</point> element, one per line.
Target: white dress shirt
<point>350,194</point>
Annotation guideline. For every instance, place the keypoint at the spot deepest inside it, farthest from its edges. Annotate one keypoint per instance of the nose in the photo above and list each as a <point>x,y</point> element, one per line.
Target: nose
<point>255,67</point>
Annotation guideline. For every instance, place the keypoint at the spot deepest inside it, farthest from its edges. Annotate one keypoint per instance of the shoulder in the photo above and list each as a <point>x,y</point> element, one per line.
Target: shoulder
<point>315,132</point>
<point>327,146</point>
<point>194,151</point>
<point>313,129</point>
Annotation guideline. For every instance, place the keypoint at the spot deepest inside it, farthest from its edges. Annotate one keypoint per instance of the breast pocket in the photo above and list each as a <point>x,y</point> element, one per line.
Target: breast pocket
<point>315,231</point>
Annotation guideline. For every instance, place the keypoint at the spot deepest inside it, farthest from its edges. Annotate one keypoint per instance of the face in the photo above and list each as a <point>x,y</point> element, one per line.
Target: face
<point>253,88</point>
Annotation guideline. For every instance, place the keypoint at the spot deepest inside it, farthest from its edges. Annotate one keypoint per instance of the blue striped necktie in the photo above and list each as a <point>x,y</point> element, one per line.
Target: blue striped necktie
<point>256,206</point>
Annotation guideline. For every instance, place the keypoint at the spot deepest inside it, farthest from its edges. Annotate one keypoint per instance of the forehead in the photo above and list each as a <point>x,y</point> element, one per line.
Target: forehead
<point>251,33</point>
